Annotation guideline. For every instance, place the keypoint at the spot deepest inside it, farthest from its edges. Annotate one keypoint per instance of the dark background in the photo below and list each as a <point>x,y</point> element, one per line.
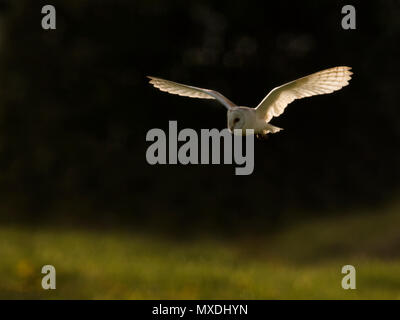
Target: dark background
<point>75,108</point>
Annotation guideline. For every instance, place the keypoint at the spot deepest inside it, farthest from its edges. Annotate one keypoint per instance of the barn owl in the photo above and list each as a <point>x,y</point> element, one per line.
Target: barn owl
<point>273,105</point>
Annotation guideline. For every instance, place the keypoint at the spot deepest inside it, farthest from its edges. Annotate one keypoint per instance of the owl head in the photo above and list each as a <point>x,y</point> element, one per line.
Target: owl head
<point>239,118</point>
<point>236,119</point>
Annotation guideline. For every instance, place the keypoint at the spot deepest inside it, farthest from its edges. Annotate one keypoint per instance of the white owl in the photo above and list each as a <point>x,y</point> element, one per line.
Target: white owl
<point>273,105</point>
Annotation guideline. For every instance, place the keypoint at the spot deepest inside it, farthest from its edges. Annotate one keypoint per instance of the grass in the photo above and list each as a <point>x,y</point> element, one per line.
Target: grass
<point>302,261</point>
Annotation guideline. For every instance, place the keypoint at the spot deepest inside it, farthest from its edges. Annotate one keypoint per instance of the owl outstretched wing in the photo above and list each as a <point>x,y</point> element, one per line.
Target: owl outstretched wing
<point>322,82</point>
<point>189,91</point>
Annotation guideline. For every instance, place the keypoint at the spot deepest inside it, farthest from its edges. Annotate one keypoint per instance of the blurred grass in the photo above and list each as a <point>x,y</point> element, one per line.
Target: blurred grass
<point>298,261</point>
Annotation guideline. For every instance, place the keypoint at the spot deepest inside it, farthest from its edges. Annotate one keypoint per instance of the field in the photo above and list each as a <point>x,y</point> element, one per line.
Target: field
<point>299,261</point>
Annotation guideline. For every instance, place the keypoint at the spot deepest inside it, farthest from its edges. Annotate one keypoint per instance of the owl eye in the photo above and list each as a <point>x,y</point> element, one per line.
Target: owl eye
<point>235,120</point>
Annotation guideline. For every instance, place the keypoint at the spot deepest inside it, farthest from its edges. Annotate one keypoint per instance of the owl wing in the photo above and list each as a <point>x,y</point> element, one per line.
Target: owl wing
<point>326,81</point>
<point>189,91</point>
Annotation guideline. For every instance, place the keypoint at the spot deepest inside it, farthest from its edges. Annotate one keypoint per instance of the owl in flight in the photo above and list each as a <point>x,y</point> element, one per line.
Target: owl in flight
<point>273,105</point>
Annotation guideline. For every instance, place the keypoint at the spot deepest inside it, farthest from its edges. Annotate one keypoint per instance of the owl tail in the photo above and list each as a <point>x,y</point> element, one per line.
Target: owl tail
<point>272,129</point>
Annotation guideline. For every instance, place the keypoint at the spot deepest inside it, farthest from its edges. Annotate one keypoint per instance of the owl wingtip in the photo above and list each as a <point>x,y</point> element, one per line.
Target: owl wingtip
<point>152,80</point>
<point>347,70</point>
<point>350,73</point>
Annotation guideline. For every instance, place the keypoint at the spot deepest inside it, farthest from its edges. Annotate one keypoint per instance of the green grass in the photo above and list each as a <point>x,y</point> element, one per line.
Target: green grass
<point>301,261</point>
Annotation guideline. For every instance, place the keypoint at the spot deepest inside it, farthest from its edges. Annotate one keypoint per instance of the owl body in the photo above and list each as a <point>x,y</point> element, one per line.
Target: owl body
<point>247,118</point>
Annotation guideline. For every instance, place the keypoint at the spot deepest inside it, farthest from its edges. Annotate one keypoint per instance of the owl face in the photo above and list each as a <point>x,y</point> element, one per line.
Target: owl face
<point>236,119</point>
